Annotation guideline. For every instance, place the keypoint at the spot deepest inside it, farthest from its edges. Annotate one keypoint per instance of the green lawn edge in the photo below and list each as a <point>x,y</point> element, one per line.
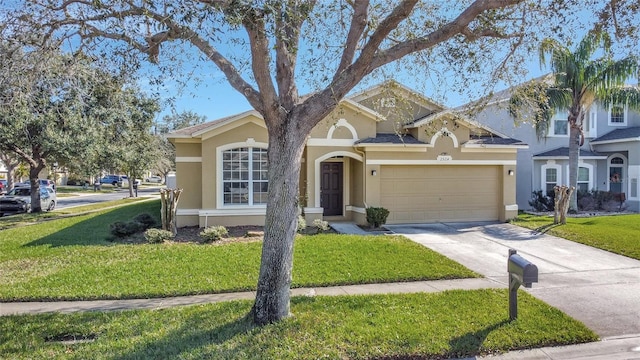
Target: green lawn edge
<point>448,324</point>
<point>70,259</point>
<point>617,234</point>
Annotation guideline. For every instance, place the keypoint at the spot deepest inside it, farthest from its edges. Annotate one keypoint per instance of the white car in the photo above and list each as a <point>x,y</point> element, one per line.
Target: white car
<point>153,179</point>
<point>18,200</point>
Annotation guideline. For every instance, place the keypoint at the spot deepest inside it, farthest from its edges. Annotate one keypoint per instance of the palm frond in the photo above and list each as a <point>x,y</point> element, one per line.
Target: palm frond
<point>629,95</point>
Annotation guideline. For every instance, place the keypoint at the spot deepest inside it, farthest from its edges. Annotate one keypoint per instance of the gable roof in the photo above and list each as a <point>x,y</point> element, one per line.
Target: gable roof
<point>563,152</point>
<point>619,135</point>
<point>199,129</point>
<point>472,124</point>
<point>413,95</point>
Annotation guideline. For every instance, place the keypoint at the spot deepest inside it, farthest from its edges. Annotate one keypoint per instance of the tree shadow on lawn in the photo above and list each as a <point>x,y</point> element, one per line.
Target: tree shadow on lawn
<point>93,231</point>
<point>195,334</point>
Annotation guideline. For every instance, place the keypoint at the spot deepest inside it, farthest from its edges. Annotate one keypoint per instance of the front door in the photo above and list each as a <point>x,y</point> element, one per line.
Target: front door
<point>331,188</point>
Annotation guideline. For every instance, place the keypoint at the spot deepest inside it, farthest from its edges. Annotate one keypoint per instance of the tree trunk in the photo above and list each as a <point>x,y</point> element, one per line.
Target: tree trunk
<point>272,298</point>
<point>34,172</point>
<point>574,153</point>
<point>169,206</point>
<point>556,204</point>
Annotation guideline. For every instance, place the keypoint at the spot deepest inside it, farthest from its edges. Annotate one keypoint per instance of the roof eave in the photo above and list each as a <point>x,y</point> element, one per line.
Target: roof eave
<point>614,141</point>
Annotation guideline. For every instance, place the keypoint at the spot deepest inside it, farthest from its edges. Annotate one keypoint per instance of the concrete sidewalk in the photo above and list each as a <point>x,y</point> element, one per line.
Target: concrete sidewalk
<point>16,308</point>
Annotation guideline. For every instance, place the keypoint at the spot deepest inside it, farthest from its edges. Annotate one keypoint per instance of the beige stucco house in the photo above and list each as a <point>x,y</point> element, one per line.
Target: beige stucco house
<point>386,146</point>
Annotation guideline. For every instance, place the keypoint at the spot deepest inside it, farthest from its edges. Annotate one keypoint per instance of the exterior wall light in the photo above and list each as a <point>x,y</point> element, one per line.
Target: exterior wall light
<point>374,173</point>
<point>510,172</point>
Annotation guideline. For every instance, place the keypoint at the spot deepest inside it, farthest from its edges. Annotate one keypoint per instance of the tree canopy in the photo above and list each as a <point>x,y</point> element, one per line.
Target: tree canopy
<point>268,50</point>
<point>579,77</point>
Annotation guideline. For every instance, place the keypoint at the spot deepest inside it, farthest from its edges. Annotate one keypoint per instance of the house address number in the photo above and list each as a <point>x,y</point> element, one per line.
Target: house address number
<point>444,158</point>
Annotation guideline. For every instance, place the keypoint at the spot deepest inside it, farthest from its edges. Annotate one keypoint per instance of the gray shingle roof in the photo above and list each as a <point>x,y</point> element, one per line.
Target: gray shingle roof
<point>390,139</point>
<point>564,151</point>
<point>494,140</point>
<point>620,134</point>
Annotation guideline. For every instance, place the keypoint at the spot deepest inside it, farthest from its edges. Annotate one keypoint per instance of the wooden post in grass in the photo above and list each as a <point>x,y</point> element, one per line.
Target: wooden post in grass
<point>169,200</point>
<point>561,203</point>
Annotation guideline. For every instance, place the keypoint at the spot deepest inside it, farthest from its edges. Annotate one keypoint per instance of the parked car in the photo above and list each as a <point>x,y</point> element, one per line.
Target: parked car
<point>115,180</point>
<point>18,200</point>
<point>153,179</point>
<point>43,182</point>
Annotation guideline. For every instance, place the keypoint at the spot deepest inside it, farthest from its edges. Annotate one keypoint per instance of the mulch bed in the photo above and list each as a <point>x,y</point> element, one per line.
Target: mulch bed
<point>249,233</point>
<point>191,234</point>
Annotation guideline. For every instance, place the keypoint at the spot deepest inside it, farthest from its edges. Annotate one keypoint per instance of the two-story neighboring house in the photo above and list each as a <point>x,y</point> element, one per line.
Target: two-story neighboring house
<point>609,159</point>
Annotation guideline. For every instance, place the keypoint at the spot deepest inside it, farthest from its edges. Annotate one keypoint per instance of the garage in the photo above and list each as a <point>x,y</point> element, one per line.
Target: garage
<point>422,193</point>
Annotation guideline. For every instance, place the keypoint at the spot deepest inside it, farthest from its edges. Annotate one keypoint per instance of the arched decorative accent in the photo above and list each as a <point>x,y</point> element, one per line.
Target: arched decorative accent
<point>343,123</point>
<point>444,132</point>
<point>617,179</point>
<point>316,169</point>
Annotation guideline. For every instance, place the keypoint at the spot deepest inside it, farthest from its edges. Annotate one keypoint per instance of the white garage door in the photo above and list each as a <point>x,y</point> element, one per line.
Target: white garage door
<point>440,193</point>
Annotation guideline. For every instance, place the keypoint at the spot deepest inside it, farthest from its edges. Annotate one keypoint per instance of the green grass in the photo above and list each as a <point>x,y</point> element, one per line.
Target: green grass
<point>70,259</point>
<point>31,218</point>
<point>437,325</point>
<point>79,190</point>
<point>617,234</point>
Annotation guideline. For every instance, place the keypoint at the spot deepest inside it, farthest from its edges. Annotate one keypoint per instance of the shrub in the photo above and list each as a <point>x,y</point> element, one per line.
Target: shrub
<point>377,216</point>
<point>121,229</point>
<point>213,233</point>
<point>302,224</point>
<point>156,236</point>
<point>541,202</point>
<point>321,225</point>
<point>146,219</point>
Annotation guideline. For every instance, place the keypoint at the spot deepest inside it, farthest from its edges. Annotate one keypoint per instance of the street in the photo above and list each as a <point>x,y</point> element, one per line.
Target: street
<point>88,198</point>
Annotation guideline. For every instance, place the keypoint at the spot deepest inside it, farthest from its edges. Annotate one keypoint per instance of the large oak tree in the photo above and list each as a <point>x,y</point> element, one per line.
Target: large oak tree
<point>267,49</point>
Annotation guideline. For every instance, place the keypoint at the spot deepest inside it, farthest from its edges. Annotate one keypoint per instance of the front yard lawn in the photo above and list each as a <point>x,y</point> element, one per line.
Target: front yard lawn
<point>70,259</point>
<point>618,234</point>
<point>409,326</point>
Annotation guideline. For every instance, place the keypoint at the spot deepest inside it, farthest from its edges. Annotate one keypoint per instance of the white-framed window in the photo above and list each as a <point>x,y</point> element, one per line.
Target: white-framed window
<point>559,124</point>
<point>634,187</point>
<point>618,115</point>
<point>585,179</point>
<point>244,176</point>
<point>591,122</point>
<point>551,175</point>
<point>616,165</point>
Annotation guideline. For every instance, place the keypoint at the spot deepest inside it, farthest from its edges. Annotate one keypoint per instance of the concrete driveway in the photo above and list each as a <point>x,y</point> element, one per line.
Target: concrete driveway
<point>597,287</point>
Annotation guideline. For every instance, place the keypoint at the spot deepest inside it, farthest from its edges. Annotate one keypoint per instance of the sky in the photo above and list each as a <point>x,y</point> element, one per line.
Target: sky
<point>215,98</point>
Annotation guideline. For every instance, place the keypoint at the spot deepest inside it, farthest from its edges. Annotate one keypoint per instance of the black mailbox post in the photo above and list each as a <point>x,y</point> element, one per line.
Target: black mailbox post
<point>521,272</point>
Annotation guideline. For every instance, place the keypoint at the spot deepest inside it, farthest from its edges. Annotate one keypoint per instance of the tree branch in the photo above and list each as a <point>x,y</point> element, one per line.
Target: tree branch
<point>458,26</point>
<point>288,25</point>
<point>253,23</point>
<point>358,24</point>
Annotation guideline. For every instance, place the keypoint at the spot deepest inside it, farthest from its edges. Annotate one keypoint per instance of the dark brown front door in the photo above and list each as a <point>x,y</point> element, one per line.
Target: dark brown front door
<point>331,188</point>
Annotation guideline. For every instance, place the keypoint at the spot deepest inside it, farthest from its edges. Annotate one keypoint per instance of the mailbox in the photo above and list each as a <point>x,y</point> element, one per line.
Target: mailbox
<point>521,272</point>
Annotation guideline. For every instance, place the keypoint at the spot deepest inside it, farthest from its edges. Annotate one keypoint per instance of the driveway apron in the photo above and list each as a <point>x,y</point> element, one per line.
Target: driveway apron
<point>597,287</point>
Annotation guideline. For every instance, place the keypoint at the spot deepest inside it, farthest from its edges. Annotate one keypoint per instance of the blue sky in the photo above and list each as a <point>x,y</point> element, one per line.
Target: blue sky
<point>215,98</point>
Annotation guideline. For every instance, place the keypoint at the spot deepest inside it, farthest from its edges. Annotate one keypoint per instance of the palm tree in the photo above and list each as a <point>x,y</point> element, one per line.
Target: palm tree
<point>577,80</point>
